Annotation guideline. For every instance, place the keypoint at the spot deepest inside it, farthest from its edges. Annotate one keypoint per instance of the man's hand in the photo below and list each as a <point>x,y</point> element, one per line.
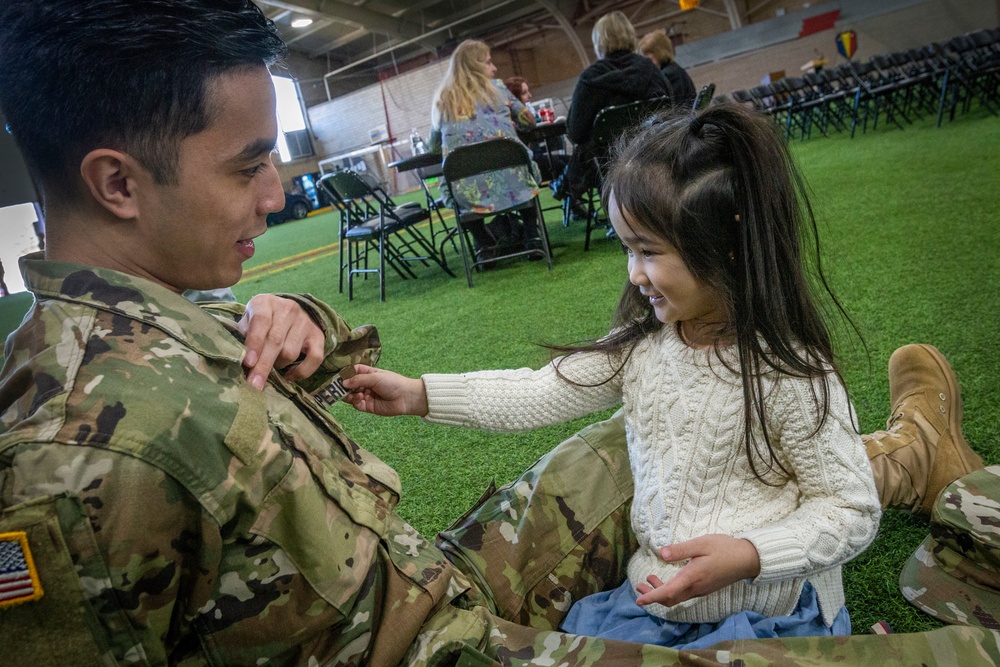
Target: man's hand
<point>715,561</point>
<point>278,333</point>
<point>385,393</point>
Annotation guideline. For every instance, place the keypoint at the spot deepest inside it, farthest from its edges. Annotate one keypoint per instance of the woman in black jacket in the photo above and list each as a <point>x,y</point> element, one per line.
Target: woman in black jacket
<point>657,47</point>
<point>619,76</point>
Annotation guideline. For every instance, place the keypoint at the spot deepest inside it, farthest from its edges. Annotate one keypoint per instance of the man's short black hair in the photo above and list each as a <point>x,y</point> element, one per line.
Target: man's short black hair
<point>131,75</point>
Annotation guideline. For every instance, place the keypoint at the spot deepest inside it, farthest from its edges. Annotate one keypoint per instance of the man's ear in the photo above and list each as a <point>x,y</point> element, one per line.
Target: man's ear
<point>111,178</point>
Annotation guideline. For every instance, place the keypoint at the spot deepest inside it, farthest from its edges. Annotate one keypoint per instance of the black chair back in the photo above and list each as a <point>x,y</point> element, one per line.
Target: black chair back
<point>484,157</point>
<point>612,122</point>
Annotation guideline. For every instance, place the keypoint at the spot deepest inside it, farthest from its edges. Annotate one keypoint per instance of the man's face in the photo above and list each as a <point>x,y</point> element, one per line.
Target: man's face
<point>197,233</point>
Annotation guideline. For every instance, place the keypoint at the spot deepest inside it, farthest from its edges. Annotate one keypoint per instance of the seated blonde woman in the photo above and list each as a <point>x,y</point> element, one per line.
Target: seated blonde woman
<point>472,106</point>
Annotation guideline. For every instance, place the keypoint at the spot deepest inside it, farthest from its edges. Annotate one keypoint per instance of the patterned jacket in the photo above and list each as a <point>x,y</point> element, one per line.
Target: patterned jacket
<point>498,190</point>
<point>222,525</point>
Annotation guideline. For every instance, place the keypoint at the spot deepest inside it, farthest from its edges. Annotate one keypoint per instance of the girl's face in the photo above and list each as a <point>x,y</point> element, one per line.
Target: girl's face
<point>657,269</point>
<point>525,95</point>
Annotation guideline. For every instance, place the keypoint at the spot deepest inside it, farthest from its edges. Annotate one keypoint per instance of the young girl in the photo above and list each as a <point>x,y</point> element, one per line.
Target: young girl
<point>752,487</point>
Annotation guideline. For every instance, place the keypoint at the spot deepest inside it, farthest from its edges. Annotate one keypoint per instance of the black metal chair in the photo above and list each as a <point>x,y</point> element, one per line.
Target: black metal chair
<point>371,222</point>
<point>610,124</point>
<point>483,158</point>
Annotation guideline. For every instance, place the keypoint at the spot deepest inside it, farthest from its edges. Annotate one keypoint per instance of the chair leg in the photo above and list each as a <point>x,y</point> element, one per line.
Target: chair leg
<point>381,264</point>
<point>543,233</point>
<point>464,243</point>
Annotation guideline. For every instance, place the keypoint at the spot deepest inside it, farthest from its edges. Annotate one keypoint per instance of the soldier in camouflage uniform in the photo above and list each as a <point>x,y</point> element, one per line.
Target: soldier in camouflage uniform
<point>168,499</point>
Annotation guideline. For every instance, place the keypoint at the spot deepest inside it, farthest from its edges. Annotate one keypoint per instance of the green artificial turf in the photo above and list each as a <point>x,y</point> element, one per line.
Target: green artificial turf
<point>909,227</point>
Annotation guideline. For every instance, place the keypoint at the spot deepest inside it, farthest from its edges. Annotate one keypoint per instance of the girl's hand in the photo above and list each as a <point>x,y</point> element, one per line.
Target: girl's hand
<point>715,561</point>
<point>385,393</point>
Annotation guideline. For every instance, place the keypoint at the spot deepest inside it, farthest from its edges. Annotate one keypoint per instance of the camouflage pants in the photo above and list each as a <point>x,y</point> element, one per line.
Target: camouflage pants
<point>561,532</point>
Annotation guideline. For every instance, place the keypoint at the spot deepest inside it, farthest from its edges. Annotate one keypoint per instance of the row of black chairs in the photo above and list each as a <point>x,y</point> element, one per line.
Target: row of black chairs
<point>371,223</point>
<point>940,79</point>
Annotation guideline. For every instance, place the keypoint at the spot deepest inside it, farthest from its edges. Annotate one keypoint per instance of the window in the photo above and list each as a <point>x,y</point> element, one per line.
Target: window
<point>294,141</point>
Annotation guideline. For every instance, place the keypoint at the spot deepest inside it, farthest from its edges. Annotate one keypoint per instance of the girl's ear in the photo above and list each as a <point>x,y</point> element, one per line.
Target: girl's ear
<point>109,176</point>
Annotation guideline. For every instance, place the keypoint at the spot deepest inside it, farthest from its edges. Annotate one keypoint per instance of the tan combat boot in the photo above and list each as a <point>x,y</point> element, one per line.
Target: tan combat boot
<point>922,449</point>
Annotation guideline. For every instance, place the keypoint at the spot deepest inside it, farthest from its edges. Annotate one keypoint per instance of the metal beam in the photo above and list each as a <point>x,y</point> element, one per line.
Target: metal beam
<point>320,24</point>
<point>656,19</point>
<point>567,27</point>
<point>340,12</point>
<point>447,26</point>
<point>754,10</point>
<point>735,21</point>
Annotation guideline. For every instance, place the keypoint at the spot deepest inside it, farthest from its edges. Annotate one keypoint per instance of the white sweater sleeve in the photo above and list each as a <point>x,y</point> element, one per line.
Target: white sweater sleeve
<point>839,510</point>
<point>518,400</point>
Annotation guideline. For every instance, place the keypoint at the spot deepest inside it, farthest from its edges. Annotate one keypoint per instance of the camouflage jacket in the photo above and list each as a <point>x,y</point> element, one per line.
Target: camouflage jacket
<point>220,525</point>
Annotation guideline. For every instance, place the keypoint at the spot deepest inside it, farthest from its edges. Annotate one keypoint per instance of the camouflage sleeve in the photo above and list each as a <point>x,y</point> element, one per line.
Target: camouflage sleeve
<point>344,346</point>
<point>151,538</point>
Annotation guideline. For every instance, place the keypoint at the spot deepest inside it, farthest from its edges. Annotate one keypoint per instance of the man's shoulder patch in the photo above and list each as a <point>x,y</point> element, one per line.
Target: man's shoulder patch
<point>18,575</point>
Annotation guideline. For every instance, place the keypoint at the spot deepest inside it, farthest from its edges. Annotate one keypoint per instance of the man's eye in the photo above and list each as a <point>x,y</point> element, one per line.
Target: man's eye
<point>253,171</point>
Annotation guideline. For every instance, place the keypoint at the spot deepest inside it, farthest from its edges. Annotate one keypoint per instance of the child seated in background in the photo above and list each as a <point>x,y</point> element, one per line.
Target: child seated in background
<point>551,165</point>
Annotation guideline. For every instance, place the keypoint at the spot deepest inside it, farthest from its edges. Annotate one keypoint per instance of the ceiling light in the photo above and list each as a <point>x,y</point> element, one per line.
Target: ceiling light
<point>301,23</point>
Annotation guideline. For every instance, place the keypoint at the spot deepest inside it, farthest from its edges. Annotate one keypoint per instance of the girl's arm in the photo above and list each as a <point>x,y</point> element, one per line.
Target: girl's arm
<point>839,510</point>
<point>837,516</point>
<point>511,400</point>
<point>715,561</point>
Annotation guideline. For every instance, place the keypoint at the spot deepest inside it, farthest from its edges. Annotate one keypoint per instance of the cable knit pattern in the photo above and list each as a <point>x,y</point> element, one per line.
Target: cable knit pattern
<point>684,425</point>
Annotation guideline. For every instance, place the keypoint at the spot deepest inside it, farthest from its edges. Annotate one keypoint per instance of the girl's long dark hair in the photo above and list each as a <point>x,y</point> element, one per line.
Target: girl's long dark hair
<point>721,187</point>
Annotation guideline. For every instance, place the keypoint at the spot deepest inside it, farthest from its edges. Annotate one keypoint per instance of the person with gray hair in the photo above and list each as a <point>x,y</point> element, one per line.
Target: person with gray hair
<point>619,76</point>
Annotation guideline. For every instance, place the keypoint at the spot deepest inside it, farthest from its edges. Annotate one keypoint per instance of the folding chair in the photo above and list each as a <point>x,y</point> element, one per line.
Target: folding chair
<point>370,221</point>
<point>434,205</point>
<point>611,123</point>
<point>483,158</point>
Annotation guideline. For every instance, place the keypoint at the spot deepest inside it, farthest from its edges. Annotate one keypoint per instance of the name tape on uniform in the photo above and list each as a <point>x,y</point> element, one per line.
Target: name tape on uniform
<point>335,390</point>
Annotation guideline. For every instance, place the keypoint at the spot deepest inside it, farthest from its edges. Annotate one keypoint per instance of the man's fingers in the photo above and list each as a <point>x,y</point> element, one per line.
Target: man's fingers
<point>310,355</point>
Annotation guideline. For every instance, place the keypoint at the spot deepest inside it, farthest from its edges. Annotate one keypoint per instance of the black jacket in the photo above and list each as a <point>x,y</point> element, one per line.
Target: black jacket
<point>618,78</point>
<point>681,85</point>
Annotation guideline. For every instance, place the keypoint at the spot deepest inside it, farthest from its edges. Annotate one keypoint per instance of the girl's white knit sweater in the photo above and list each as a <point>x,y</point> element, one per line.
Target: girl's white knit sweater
<point>684,425</point>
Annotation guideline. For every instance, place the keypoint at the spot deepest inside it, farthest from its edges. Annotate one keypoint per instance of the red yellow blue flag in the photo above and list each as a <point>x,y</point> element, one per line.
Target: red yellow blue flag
<point>847,43</point>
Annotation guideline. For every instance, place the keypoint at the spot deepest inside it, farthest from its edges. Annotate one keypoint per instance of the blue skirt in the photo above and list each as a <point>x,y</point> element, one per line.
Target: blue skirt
<point>615,615</point>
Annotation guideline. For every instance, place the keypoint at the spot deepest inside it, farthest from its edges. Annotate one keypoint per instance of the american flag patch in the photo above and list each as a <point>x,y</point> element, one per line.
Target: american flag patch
<point>18,576</point>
